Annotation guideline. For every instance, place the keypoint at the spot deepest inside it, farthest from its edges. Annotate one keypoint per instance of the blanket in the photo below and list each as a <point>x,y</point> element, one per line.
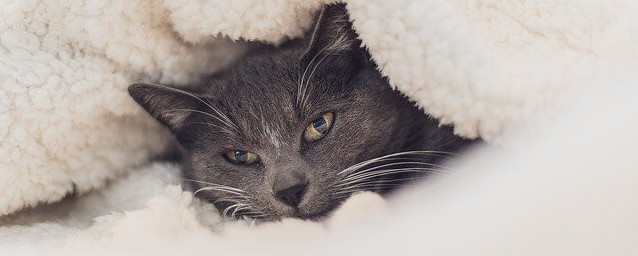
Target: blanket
<point>550,84</point>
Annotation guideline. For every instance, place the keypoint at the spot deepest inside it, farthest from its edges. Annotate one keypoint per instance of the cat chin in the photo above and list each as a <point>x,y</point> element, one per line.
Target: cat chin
<point>356,208</point>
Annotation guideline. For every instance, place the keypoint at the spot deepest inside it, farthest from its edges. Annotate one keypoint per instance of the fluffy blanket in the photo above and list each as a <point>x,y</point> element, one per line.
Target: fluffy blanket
<point>550,83</point>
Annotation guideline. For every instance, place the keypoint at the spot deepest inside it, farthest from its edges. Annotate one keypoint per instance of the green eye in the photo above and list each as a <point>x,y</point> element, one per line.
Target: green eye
<point>241,157</point>
<point>319,127</point>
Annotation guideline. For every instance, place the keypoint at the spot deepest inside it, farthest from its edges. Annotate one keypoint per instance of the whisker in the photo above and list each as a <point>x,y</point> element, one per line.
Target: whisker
<point>354,175</point>
<point>379,173</point>
<point>376,173</point>
<point>238,199</point>
<point>226,123</point>
<point>301,91</point>
<point>227,209</point>
<point>305,96</point>
<point>373,187</point>
<point>214,189</point>
<point>242,206</point>
<point>219,189</point>
<point>214,184</point>
<point>389,183</point>
<point>301,81</point>
<point>210,124</point>
<point>214,109</point>
<point>254,216</point>
<point>231,199</point>
<point>405,153</point>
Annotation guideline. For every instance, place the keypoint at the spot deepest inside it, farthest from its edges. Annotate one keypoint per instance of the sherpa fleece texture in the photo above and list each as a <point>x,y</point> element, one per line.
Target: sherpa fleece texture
<point>498,69</point>
<point>66,121</point>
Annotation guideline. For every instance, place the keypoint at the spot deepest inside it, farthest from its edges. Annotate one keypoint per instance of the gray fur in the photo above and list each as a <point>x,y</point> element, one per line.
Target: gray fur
<point>263,105</point>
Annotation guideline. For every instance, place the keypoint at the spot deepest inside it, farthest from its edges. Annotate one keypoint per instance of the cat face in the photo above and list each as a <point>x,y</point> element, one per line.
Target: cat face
<point>287,131</point>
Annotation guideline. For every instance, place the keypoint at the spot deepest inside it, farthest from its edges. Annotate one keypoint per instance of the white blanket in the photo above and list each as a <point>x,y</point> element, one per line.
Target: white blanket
<point>552,83</point>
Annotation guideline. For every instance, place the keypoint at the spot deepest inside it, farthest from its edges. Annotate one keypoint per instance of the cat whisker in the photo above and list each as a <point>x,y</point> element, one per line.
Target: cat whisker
<point>227,120</point>
<point>302,90</point>
<point>226,123</point>
<point>254,216</point>
<point>399,154</point>
<point>381,173</point>
<point>244,210</point>
<point>393,181</point>
<point>230,207</point>
<point>238,199</point>
<point>302,78</point>
<point>219,189</point>
<point>211,124</point>
<point>231,199</point>
<point>335,46</point>
<point>306,96</point>
<point>374,185</point>
<point>214,184</point>
<point>239,208</point>
<point>368,187</point>
<point>354,175</point>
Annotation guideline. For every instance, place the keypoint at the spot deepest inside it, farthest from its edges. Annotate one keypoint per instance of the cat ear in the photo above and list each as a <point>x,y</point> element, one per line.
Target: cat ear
<point>168,105</point>
<point>333,35</point>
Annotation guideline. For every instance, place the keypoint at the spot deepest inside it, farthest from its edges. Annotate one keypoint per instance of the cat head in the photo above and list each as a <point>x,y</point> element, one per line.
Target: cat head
<point>286,131</point>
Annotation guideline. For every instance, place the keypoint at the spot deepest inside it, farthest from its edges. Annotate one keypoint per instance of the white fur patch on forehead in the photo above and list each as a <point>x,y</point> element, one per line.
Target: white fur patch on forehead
<point>273,135</point>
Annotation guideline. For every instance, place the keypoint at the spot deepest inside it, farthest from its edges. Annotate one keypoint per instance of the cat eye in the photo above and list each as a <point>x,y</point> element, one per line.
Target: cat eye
<point>319,127</point>
<point>241,157</point>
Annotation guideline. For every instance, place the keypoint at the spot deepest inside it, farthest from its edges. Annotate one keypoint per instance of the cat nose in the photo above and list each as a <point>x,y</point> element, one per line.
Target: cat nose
<point>291,195</point>
<point>290,189</point>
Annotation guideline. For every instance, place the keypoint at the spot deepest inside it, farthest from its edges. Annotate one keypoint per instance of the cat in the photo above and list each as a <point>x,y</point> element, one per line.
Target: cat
<point>294,130</point>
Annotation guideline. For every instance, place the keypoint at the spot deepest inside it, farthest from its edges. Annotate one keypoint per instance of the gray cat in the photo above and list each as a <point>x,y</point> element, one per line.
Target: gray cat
<point>292,131</point>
